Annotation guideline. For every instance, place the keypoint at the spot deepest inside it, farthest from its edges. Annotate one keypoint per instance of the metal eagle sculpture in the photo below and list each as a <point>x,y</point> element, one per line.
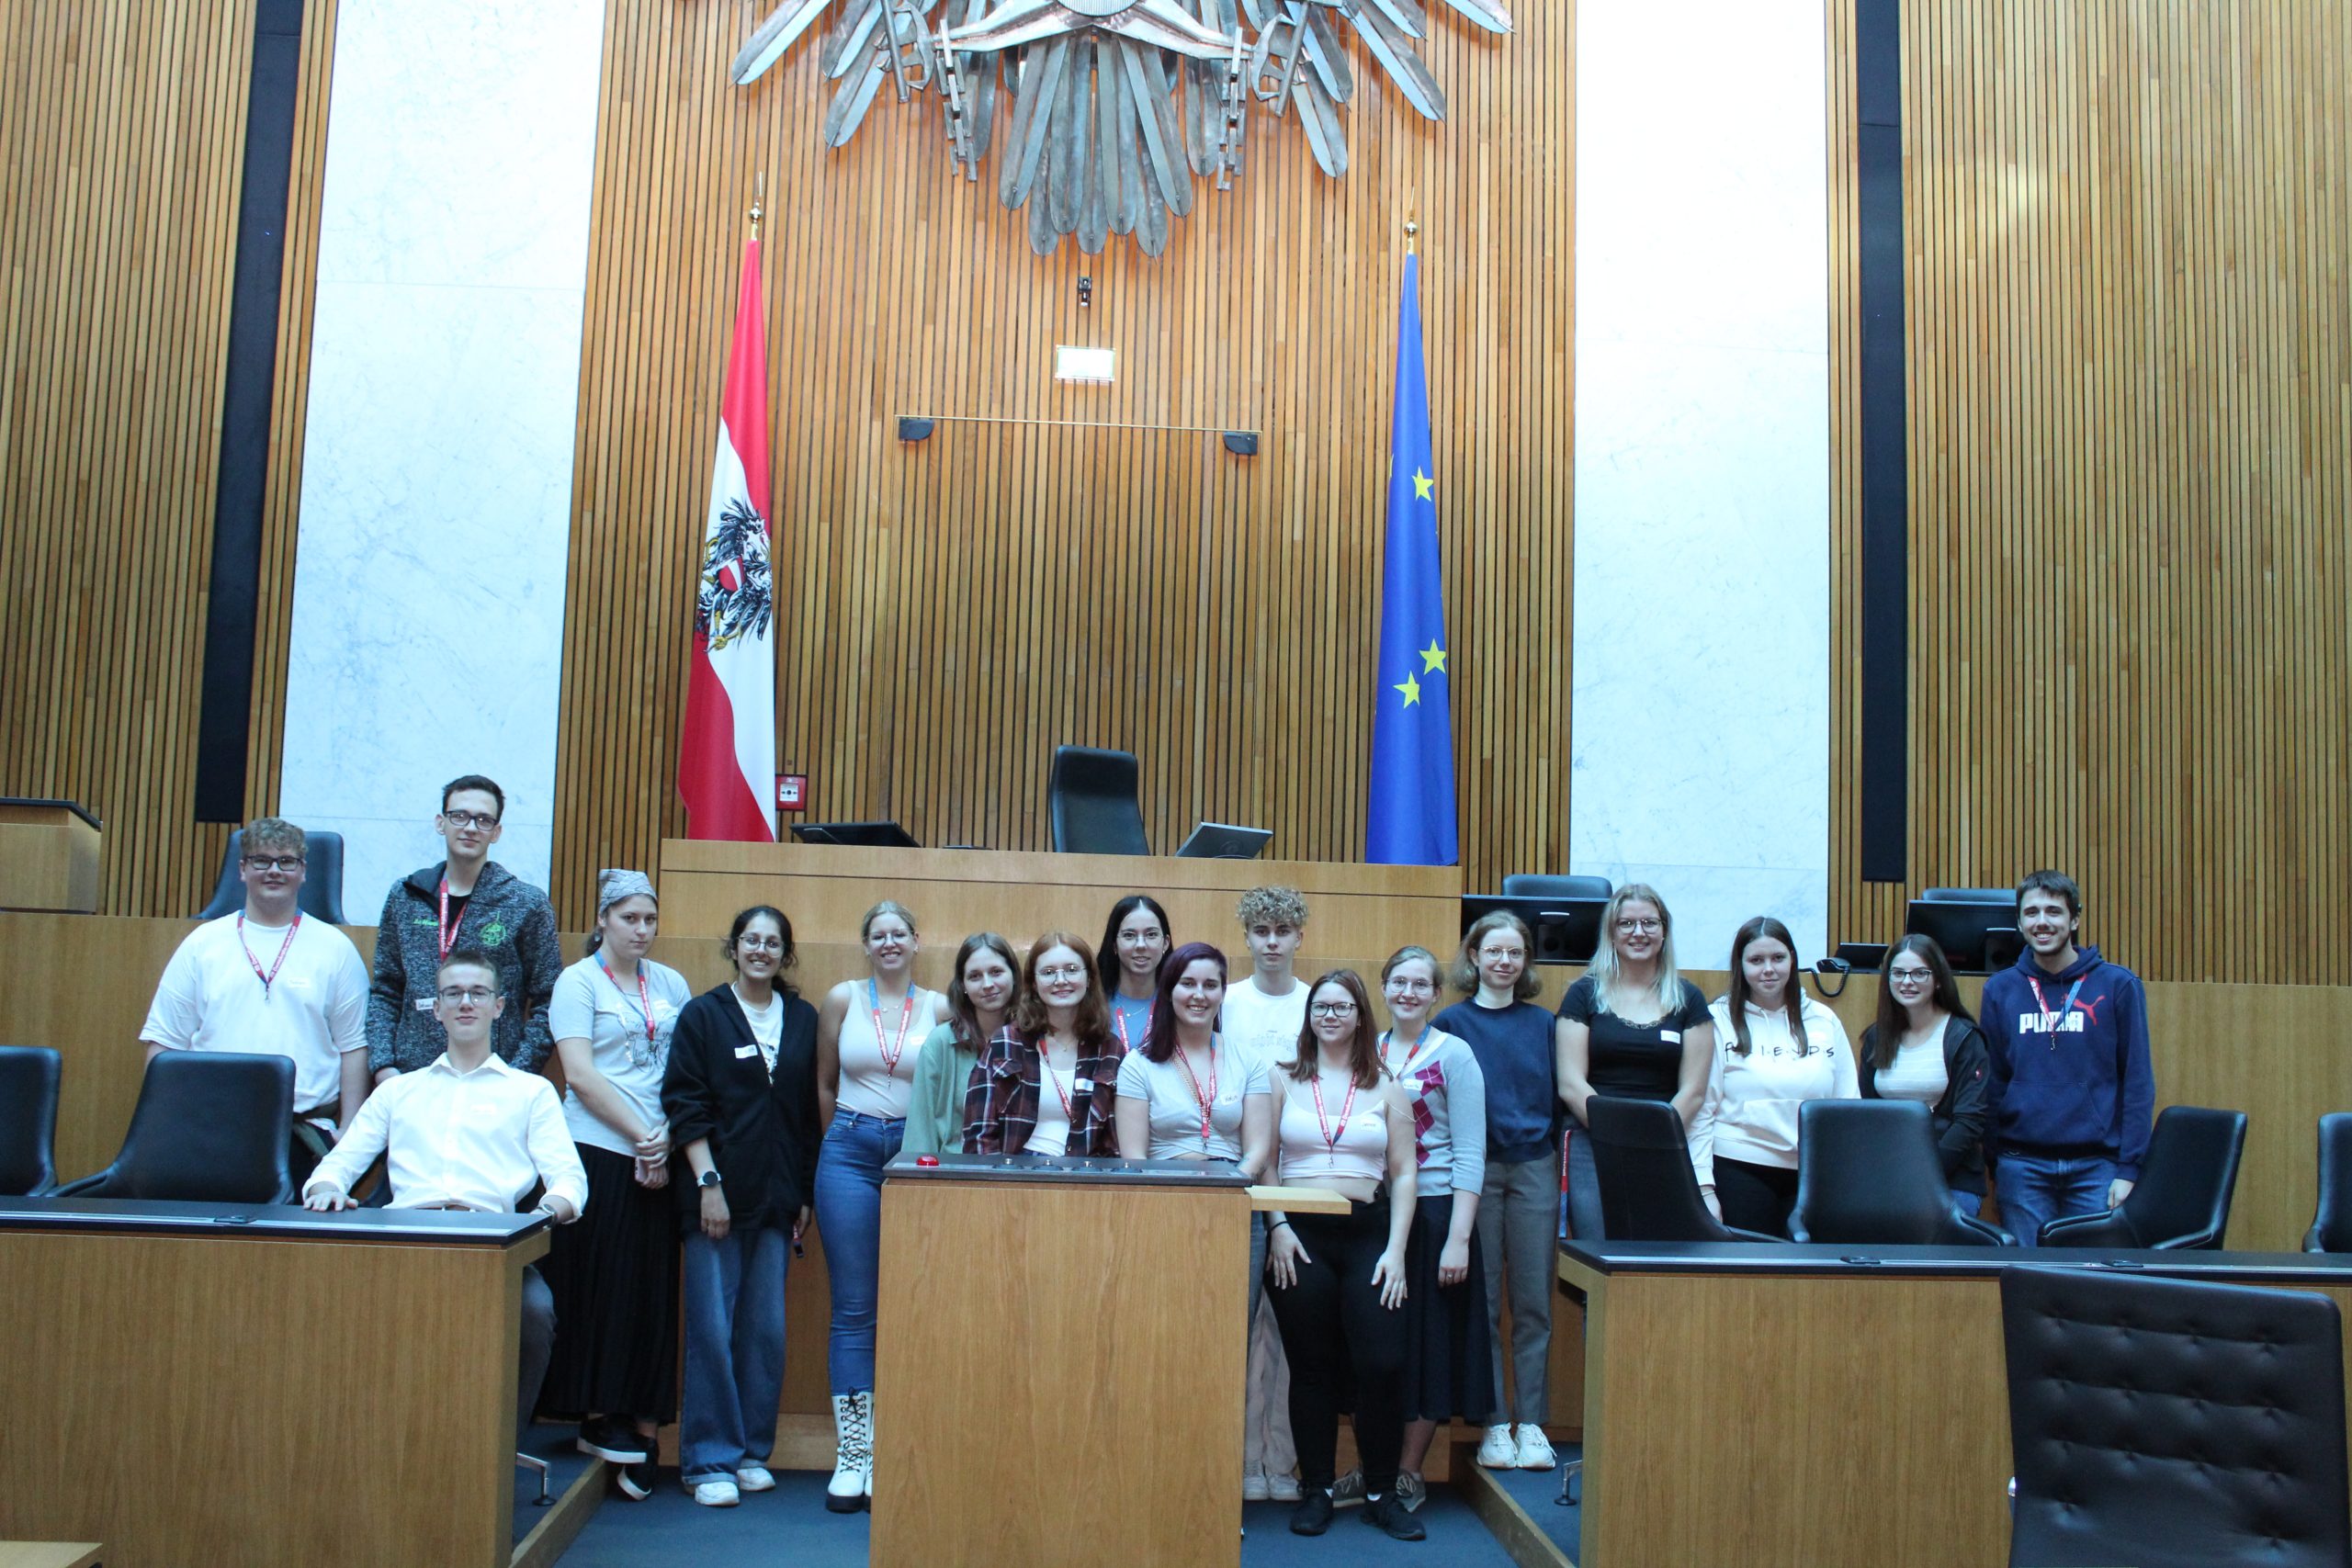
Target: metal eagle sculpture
<point>1116,104</point>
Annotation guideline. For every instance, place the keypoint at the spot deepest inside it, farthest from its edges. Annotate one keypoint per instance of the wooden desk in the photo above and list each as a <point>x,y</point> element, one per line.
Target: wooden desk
<point>49,856</point>
<point>291,1390</point>
<point>1058,1373</point>
<point>1815,1411</point>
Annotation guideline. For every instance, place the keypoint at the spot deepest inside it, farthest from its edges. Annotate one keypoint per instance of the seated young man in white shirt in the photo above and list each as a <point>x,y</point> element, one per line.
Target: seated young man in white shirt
<point>467,1133</point>
<point>267,981</point>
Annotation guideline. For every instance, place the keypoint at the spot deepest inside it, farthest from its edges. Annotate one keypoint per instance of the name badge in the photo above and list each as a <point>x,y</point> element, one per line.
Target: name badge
<point>744,1051</point>
<point>1670,1037</point>
<point>424,1004</point>
<point>1085,1085</point>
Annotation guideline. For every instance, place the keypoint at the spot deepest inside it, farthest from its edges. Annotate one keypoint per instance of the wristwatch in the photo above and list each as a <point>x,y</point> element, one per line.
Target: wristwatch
<point>709,1177</point>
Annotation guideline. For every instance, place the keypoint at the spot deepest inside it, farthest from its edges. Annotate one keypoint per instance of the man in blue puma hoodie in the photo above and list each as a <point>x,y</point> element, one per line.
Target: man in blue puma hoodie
<point>2072,1090</point>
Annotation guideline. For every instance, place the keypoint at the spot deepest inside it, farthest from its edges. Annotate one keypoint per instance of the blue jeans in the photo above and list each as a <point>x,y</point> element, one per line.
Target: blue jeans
<point>734,1309</point>
<point>2035,1192</point>
<point>849,1216</point>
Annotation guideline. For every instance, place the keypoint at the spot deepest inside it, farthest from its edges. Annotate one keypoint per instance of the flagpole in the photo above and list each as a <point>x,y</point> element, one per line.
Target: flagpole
<point>1412,229</point>
<point>759,195</point>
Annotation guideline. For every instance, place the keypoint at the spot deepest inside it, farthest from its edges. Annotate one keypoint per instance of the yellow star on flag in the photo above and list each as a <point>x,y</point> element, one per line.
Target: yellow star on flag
<point>1432,657</point>
<point>1412,690</point>
<point>1422,484</point>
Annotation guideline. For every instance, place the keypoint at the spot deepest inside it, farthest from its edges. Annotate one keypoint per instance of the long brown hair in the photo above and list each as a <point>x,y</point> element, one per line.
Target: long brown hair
<point>963,1018</point>
<point>1363,1050</point>
<point>1791,999</point>
<point>1093,1021</point>
<point>1886,1035</point>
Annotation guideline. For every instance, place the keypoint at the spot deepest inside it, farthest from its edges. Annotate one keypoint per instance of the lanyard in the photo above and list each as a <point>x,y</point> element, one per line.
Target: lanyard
<point>2051,1020</point>
<point>446,930</point>
<point>1206,1099</point>
<point>644,1001</point>
<point>283,949</point>
<point>1119,1022</point>
<point>1410,1057</point>
<point>1046,1061</point>
<point>906,1017</point>
<point>1331,1139</point>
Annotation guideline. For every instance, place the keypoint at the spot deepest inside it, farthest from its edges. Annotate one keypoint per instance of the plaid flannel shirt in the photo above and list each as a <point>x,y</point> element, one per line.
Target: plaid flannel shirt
<point>1000,1106</point>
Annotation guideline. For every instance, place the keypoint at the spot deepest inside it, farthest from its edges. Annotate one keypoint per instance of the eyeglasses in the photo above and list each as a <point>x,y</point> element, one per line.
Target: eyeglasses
<point>1062,972</point>
<point>1148,938</point>
<point>1910,976</point>
<point>468,820</point>
<point>1630,928</point>
<point>759,945</point>
<point>1333,1009</point>
<point>455,995</point>
<point>273,863</point>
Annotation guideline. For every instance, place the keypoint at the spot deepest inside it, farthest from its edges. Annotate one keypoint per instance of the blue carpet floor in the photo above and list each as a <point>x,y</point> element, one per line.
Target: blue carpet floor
<point>558,1446</point>
<point>790,1526</point>
<point>1538,1493</point>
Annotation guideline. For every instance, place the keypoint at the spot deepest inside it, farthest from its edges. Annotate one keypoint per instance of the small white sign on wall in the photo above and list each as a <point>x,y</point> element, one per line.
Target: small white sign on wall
<point>1073,363</point>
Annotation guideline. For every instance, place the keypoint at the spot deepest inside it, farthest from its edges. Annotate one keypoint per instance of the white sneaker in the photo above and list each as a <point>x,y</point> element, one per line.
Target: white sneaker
<point>1534,1449</point>
<point>1499,1452</point>
<point>1253,1486</point>
<point>716,1494</point>
<point>755,1478</point>
<point>1282,1488</point>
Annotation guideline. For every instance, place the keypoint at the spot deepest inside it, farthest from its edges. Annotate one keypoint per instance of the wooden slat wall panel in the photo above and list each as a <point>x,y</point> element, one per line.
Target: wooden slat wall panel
<point>2127,229</point>
<point>121,155</point>
<point>952,611</point>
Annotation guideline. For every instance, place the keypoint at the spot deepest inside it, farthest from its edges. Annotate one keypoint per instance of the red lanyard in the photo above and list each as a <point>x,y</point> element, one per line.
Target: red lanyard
<point>1410,1057</point>
<point>1331,1139</point>
<point>1119,1022</point>
<point>644,998</point>
<point>446,931</point>
<point>906,1017</point>
<point>2050,1021</point>
<point>283,949</point>
<point>1046,1061</point>
<point>1206,1099</point>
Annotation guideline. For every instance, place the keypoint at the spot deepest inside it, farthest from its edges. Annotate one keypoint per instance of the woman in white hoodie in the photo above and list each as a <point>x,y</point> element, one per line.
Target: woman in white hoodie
<point>1774,1049</point>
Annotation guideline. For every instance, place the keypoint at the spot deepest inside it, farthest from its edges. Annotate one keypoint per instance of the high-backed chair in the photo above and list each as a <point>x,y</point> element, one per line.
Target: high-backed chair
<point>2182,1198</point>
<point>1540,884</point>
<point>2172,1424</point>
<point>322,897</point>
<point>209,1128</point>
<point>1648,1192</point>
<point>28,1119</point>
<point>1097,803</point>
<point>2331,1226</point>
<point>1868,1174</point>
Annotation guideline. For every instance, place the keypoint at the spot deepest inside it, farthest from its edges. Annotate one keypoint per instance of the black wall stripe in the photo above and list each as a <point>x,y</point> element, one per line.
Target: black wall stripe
<point>226,720</point>
<point>1886,565</point>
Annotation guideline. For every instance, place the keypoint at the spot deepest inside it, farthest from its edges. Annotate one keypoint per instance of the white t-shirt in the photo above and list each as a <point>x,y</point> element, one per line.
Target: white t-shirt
<point>767,1026</point>
<point>588,1005</point>
<point>313,1012</point>
<point>1268,1025</point>
<point>1051,1134</point>
<point>1176,1104</point>
<point>878,1066</point>
<point>1918,1072</point>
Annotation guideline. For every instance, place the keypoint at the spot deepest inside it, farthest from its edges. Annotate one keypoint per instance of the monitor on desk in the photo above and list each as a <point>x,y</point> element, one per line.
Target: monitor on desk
<point>1977,938</point>
<point>1567,930</point>
<point>871,835</point>
<point>1224,840</point>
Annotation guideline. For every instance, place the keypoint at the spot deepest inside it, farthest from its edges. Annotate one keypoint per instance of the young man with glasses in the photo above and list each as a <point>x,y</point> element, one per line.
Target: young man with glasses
<point>464,900</point>
<point>268,980</point>
<point>468,1132</point>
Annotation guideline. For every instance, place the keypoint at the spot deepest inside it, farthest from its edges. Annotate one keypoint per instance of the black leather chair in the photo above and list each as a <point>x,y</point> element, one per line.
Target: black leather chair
<point>2331,1226</point>
<point>2172,1424</point>
<point>1868,1175</point>
<point>322,897</point>
<point>28,1119</point>
<point>1538,885</point>
<point>2182,1198</point>
<point>1097,803</point>
<point>1648,1192</point>
<point>209,1128</point>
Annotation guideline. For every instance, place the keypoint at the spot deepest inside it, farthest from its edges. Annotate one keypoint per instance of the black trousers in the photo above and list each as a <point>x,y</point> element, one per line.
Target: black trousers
<point>1342,1341</point>
<point>1756,1197</point>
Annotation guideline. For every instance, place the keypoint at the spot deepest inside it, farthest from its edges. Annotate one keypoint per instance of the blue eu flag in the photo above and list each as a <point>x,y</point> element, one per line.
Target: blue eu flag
<point>1412,725</point>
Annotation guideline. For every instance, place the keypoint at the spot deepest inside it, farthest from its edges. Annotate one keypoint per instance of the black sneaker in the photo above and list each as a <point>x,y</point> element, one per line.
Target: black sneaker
<point>634,1481</point>
<point>1313,1515</point>
<point>610,1437</point>
<point>1383,1515</point>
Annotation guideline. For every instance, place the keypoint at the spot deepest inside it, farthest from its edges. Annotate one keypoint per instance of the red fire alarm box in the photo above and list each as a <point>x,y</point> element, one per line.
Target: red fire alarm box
<point>791,791</point>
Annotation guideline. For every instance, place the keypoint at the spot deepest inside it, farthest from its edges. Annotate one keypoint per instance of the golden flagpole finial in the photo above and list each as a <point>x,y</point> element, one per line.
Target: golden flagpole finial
<point>1412,229</point>
<point>759,196</point>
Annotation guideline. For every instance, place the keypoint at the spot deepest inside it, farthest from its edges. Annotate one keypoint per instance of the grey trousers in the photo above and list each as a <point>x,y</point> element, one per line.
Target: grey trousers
<point>1519,1223</point>
<point>538,1341</point>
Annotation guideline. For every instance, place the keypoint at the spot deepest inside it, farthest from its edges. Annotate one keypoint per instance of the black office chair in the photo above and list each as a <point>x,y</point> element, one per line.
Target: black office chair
<point>27,1120</point>
<point>1868,1175</point>
<point>2172,1424</point>
<point>2182,1198</point>
<point>1648,1192</point>
<point>1097,803</point>
<point>2331,1226</point>
<point>209,1128</point>
<point>322,897</point>
<point>1540,884</point>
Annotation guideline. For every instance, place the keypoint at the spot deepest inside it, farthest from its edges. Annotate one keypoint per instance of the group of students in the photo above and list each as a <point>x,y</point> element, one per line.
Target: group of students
<point>695,1138</point>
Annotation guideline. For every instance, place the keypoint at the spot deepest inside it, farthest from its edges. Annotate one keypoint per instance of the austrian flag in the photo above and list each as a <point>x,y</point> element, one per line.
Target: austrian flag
<point>727,758</point>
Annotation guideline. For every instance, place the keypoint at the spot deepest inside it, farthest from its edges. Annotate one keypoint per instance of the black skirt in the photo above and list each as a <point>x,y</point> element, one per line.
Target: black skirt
<point>1449,1370</point>
<point>614,1273</point>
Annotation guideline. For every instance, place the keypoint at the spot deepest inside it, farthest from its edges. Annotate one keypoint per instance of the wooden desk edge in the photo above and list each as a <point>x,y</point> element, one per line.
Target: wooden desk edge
<point>1583,1276</point>
<point>1297,1200</point>
<point>50,1554</point>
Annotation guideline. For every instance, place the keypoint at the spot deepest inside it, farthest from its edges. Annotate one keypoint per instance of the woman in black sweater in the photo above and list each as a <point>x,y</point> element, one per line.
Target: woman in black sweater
<point>740,1094</point>
<point>1926,1047</point>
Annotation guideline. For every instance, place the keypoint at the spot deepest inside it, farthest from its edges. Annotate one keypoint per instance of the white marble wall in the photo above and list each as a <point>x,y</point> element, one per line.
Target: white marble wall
<point>429,583</point>
<point>1702,676</point>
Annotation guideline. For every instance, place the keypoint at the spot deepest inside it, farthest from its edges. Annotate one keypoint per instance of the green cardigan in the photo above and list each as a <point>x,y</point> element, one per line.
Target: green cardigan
<point>935,1108</point>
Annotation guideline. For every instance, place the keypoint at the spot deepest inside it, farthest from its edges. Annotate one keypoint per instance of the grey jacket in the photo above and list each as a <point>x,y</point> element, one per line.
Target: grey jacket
<point>508,918</point>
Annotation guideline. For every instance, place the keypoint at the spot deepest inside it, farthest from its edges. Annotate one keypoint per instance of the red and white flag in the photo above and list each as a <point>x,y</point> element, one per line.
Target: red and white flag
<point>726,759</point>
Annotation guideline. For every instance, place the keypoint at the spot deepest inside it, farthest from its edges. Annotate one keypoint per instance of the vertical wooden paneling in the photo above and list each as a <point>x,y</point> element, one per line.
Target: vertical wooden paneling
<point>121,152</point>
<point>951,611</point>
<point>2128,235</point>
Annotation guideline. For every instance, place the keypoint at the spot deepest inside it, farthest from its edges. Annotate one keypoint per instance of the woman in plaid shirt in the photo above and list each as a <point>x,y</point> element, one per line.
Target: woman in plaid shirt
<point>1049,1083</point>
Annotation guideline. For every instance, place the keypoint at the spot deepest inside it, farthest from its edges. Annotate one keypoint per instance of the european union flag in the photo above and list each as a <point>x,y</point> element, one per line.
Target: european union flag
<point>1413,727</point>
